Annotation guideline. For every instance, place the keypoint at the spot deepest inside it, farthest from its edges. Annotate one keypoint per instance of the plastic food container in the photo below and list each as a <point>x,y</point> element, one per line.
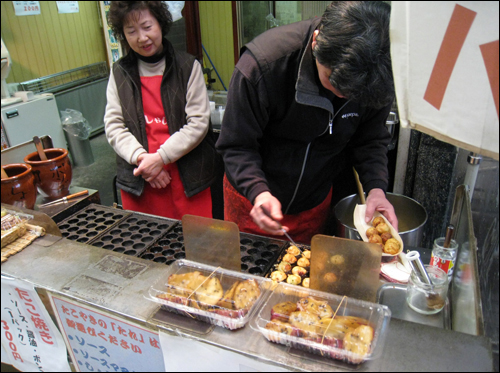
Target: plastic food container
<point>214,295</point>
<point>343,338</point>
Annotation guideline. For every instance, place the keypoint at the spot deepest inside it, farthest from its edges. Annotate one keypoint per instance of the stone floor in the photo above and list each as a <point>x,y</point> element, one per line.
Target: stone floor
<point>99,175</point>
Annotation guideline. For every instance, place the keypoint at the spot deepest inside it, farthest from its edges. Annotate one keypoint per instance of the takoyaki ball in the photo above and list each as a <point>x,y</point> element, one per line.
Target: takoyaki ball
<point>330,277</point>
<point>285,267</point>
<point>299,271</point>
<point>337,259</point>
<point>385,236</point>
<point>278,276</point>
<point>303,262</point>
<point>375,239</point>
<point>294,280</point>
<point>305,282</point>
<point>371,231</point>
<point>378,220</point>
<point>383,228</point>
<point>294,250</point>
<point>307,254</point>
<point>392,246</point>
<point>289,258</point>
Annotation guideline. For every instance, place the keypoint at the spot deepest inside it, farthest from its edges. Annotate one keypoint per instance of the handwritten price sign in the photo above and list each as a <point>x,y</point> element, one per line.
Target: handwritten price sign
<point>99,342</point>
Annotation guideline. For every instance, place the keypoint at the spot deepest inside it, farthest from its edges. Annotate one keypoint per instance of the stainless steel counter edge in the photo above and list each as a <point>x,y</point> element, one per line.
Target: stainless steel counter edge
<point>67,267</point>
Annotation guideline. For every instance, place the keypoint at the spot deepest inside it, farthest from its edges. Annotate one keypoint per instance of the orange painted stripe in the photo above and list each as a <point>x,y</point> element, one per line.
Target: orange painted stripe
<point>490,56</point>
<point>454,38</point>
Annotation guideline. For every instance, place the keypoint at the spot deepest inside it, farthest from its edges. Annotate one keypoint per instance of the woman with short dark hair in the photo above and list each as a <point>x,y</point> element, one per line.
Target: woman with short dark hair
<point>157,117</point>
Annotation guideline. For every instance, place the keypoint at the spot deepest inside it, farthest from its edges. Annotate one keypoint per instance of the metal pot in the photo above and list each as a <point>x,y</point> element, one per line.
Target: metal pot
<point>411,218</point>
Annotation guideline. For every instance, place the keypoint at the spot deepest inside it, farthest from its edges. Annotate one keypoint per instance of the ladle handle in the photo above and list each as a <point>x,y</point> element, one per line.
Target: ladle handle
<point>39,148</point>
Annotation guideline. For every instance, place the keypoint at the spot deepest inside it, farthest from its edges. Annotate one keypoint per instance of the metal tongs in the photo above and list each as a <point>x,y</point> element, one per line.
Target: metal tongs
<point>268,214</point>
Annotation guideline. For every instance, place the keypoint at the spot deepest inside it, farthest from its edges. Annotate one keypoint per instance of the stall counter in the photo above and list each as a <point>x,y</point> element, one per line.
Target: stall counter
<point>61,269</point>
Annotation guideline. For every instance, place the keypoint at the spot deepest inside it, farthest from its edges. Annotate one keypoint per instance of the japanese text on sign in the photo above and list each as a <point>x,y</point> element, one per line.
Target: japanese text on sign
<point>102,343</point>
<point>26,8</point>
<point>30,339</point>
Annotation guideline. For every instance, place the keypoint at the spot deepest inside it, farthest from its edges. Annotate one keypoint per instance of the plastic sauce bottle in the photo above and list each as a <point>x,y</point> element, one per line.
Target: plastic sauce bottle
<point>444,252</point>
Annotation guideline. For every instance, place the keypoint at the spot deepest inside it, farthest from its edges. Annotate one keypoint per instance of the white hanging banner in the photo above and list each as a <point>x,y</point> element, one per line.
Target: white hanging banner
<point>30,339</point>
<point>445,62</point>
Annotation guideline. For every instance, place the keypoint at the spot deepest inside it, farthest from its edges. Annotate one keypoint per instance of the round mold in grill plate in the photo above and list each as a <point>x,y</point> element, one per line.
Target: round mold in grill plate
<point>156,249</point>
<point>167,246</point>
<point>255,271</point>
<point>133,232</point>
<point>180,255</point>
<point>90,222</point>
<point>259,253</point>
<point>124,230</point>
<point>148,256</point>
<point>138,246</point>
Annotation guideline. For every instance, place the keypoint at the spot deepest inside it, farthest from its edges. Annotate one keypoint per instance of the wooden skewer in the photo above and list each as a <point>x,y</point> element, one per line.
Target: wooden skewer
<point>67,198</point>
<point>360,187</point>
<point>39,148</point>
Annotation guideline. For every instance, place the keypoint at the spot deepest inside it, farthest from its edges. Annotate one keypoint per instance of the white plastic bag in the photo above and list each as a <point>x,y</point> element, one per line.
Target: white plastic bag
<point>75,124</point>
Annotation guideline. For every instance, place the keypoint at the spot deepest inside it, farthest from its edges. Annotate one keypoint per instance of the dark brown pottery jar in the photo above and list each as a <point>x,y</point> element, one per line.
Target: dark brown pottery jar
<point>53,176</point>
<point>19,188</point>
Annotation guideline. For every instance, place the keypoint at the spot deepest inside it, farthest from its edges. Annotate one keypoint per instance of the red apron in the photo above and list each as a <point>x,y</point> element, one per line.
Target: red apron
<point>302,226</point>
<point>170,202</point>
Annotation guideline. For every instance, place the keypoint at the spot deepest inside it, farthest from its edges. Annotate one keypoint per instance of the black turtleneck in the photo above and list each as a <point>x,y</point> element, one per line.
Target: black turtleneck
<point>154,58</point>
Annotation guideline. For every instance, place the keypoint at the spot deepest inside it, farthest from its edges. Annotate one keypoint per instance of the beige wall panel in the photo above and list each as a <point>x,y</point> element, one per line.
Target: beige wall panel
<point>49,43</point>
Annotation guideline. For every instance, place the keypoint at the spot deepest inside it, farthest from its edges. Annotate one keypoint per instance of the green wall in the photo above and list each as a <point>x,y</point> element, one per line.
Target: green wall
<point>216,22</point>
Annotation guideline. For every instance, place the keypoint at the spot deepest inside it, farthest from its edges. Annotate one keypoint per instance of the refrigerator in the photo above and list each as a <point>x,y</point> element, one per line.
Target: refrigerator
<point>38,117</point>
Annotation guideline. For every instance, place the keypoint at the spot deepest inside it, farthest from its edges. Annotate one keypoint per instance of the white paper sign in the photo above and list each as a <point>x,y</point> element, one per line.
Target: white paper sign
<point>445,64</point>
<point>67,6</point>
<point>30,340</point>
<point>179,352</point>
<point>107,344</point>
<point>26,8</point>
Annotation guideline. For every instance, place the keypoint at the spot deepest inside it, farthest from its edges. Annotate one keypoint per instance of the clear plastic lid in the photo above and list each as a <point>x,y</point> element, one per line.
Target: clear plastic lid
<point>215,295</point>
<point>326,324</point>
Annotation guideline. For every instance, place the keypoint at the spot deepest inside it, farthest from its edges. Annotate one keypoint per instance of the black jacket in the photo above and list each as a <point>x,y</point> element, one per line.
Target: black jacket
<point>198,168</point>
<point>284,132</point>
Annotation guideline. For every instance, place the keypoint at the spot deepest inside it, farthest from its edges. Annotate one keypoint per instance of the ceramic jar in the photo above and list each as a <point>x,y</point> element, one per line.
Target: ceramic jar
<point>53,176</point>
<point>19,188</point>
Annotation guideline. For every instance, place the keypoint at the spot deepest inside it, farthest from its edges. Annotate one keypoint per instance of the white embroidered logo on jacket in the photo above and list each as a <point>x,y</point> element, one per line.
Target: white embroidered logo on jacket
<point>348,115</point>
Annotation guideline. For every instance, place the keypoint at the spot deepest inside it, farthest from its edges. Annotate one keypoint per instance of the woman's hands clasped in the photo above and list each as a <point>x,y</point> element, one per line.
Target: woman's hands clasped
<point>150,167</point>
